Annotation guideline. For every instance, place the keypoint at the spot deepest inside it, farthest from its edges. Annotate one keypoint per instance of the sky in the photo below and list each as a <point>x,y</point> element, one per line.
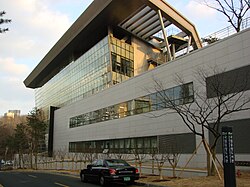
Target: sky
<point>38,24</point>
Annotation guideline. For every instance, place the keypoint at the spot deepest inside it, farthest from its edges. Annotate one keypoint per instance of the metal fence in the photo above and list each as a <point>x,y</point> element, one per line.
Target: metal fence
<point>228,31</point>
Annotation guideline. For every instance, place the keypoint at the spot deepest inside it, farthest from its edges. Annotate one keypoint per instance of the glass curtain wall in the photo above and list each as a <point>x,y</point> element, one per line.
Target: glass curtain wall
<point>87,75</point>
<point>182,94</point>
<point>122,57</point>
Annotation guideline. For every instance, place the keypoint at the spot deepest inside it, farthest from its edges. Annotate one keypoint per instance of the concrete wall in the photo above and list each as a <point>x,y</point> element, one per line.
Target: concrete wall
<point>228,54</point>
<point>142,53</point>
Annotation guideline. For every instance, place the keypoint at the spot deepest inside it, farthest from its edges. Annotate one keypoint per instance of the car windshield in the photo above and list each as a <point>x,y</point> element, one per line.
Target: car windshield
<point>116,163</point>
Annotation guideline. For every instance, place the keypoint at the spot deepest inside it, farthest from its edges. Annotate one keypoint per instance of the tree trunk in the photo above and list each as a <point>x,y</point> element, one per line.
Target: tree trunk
<point>153,167</point>
<point>23,161</point>
<point>174,172</point>
<point>80,164</point>
<point>208,157</point>
<point>36,161</point>
<point>31,160</point>
<point>140,164</point>
<point>160,173</point>
<point>19,159</point>
<point>213,151</point>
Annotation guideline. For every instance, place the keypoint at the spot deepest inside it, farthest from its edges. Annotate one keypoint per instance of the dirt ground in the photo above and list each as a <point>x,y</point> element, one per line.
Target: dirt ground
<point>214,181</point>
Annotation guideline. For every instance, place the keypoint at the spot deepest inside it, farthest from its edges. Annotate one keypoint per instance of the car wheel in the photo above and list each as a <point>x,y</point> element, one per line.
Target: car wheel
<point>83,178</point>
<point>102,180</point>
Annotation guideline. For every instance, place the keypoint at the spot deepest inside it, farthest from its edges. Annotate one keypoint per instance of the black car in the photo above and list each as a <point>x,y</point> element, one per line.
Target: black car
<point>109,170</point>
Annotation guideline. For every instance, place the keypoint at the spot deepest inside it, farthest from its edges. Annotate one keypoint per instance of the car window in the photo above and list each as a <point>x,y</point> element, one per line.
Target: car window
<point>116,163</point>
<point>94,163</point>
<point>99,163</point>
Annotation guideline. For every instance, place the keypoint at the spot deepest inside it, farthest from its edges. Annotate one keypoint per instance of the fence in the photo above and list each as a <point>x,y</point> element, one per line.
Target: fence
<point>228,31</point>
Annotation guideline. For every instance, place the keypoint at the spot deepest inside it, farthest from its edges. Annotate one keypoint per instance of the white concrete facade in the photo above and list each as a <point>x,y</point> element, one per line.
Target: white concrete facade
<point>230,53</point>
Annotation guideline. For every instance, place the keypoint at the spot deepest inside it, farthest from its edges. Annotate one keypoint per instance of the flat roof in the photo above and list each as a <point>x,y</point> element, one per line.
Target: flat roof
<point>137,17</point>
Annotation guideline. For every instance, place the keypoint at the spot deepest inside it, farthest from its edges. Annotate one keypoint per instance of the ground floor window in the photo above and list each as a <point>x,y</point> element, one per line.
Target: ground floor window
<point>125,146</point>
<point>181,143</point>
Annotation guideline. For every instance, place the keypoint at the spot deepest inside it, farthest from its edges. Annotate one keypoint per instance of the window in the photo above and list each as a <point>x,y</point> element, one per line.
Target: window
<point>142,105</point>
<point>117,162</point>
<point>178,95</point>
<point>122,58</point>
<point>99,163</point>
<point>127,143</point>
<point>182,94</point>
<point>141,144</point>
<point>228,82</point>
<point>94,163</point>
<point>81,78</point>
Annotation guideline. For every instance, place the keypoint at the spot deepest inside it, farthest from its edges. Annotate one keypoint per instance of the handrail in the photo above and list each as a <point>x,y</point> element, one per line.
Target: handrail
<point>225,32</point>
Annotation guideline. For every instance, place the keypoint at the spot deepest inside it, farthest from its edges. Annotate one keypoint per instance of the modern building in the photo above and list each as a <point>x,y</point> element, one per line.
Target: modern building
<point>97,85</point>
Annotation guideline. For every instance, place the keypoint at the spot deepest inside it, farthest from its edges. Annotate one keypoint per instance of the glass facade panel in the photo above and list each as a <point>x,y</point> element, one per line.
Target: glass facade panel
<point>87,75</point>
<point>127,145</point>
<point>182,94</point>
<point>122,60</point>
<point>81,78</point>
<point>140,143</point>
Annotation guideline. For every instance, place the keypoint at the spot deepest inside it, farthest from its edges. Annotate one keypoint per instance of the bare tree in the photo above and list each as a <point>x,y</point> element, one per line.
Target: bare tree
<point>173,159</point>
<point>74,161</point>
<point>2,30</point>
<point>62,153</point>
<point>139,158</point>
<point>121,156</point>
<point>160,160</point>
<point>173,153</point>
<point>152,154</point>
<point>203,110</point>
<point>234,10</point>
<point>86,158</point>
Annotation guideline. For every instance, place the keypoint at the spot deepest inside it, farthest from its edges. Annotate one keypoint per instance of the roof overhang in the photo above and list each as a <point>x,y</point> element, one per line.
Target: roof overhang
<point>137,17</point>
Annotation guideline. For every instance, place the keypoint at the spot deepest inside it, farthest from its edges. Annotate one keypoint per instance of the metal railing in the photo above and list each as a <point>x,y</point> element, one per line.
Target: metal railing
<point>228,31</point>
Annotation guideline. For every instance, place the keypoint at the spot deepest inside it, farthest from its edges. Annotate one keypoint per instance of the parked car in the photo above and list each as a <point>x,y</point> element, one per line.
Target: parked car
<point>9,163</point>
<point>109,170</point>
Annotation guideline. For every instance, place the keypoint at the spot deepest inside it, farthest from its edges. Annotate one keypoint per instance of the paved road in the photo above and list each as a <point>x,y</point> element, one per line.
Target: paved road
<point>36,179</point>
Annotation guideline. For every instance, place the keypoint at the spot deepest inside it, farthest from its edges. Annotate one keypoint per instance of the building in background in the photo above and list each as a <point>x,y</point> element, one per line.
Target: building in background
<point>12,113</point>
<point>96,84</point>
<point>12,118</point>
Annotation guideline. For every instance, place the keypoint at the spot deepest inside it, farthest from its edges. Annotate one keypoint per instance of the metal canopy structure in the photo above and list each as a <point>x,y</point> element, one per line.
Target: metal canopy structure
<point>144,23</point>
<point>141,18</point>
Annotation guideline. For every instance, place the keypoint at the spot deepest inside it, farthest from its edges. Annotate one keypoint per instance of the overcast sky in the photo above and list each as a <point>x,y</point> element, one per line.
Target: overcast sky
<point>38,24</point>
